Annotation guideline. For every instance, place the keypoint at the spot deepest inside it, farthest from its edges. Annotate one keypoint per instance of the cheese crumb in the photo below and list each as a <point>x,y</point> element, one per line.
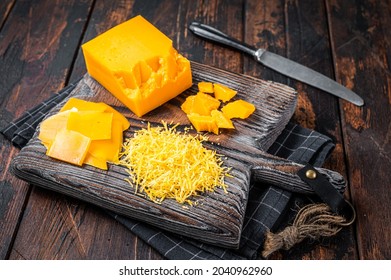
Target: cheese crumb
<point>165,163</point>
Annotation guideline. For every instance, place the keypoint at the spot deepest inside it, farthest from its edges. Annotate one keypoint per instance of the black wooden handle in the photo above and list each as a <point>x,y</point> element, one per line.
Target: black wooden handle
<point>284,174</point>
<point>217,36</point>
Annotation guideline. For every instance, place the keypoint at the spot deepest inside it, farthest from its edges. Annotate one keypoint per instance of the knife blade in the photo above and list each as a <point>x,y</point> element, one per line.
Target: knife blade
<point>279,63</point>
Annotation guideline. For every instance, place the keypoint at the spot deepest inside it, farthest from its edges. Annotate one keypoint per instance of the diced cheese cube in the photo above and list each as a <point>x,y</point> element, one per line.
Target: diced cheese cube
<point>203,123</point>
<point>238,109</point>
<point>206,87</point>
<point>223,93</point>
<point>221,120</point>
<point>201,104</point>
<point>188,105</point>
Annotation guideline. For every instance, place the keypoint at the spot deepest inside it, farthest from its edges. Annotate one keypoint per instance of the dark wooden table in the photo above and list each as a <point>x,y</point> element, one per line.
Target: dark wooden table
<point>348,41</point>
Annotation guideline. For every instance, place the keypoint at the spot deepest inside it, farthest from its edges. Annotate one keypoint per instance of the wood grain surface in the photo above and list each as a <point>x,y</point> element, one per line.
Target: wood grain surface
<point>345,40</point>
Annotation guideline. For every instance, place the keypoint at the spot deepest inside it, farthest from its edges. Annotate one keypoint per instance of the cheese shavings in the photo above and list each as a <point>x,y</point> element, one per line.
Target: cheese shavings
<point>165,163</point>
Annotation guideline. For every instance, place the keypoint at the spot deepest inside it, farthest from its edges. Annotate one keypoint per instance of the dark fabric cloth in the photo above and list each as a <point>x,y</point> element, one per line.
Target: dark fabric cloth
<point>266,205</point>
<point>20,131</point>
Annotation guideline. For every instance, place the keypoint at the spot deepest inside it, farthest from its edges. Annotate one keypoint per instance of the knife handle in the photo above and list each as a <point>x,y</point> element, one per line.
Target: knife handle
<point>217,36</point>
<point>283,173</point>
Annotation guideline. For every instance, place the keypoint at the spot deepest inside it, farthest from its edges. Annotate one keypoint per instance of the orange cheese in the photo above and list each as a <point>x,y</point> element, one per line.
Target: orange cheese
<point>117,116</point>
<point>96,162</point>
<point>108,149</point>
<point>69,146</point>
<point>137,64</point>
<point>211,123</point>
<point>101,124</point>
<point>223,93</point>
<point>53,124</point>
<point>238,109</point>
<point>84,105</point>
<point>203,123</point>
<point>188,105</point>
<point>95,125</point>
<point>206,87</point>
<point>221,120</point>
<point>203,111</point>
<point>201,104</point>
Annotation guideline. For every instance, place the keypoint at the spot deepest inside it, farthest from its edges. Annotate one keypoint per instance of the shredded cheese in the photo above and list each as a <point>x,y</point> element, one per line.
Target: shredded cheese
<point>165,163</point>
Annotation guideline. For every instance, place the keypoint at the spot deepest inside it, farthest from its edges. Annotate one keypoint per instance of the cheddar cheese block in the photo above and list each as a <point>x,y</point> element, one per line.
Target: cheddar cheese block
<point>138,64</point>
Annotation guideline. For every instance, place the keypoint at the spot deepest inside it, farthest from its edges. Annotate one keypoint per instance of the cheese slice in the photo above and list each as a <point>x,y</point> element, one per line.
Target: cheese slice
<point>138,64</point>
<point>84,132</point>
<point>69,146</point>
<point>95,125</point>
<point>108,149</point>
<point>53,124</point>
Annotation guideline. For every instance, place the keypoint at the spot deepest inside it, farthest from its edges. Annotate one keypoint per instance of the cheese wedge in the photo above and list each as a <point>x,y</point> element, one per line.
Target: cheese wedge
<point>138,64</point>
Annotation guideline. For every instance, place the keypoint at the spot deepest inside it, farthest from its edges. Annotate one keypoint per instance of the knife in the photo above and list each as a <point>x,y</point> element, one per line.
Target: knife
<point>278,63</point>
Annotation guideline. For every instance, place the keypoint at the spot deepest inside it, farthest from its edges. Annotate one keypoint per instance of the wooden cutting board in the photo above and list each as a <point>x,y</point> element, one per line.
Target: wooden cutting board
<point>218,217</point>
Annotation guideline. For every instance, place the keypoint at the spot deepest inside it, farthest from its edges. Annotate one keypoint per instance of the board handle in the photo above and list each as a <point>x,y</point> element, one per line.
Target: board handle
<point>283,173</point>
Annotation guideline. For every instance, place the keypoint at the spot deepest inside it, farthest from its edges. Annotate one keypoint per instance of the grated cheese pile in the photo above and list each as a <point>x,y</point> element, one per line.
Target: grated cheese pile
<point>165,163</point>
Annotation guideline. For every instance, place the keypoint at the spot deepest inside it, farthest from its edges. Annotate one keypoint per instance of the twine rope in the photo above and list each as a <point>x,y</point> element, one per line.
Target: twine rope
<point>312,221</point>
